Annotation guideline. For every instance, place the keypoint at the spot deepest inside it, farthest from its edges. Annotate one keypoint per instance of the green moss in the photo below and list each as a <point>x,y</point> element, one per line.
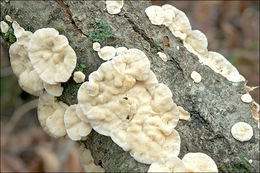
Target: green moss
<point>153,50</point>
<point>59,29</point>
<point>80,67</point>
<point>238,165</point>
<point>9,36</point>
<point>101,32</point>
<point>56,99</point>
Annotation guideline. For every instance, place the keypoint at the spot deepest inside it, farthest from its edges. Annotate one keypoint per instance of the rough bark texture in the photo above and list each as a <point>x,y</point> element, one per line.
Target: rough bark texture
<point>214,103</point>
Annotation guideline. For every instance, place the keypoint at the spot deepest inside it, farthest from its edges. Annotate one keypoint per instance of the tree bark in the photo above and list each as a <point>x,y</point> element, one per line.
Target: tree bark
<point>214,103</point>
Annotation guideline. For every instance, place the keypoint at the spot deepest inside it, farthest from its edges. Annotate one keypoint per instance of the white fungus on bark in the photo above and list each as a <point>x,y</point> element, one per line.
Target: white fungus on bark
<point>194,40</point>
<point>107,53</point>
<point>246,98</point>
<point>184,115</point>
<point>51,115</point>
<point>75,128</point>
<point>155,14</point>
<point>79,77</point>
<point>114,6</point>
<point>96,46</point>
<point>129,105</point>
<point>8,18</point>
<point>4,27</point>
<point>242,131</point>
<point>199,162</point>
<point>51,56</point>
<point>195,76</point>
<point>54,90</point>
<point>162,56</point>
<point>28,78</point>
<point>173,164</point>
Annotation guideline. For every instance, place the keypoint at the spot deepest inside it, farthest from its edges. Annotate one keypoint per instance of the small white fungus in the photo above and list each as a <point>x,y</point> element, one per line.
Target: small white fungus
<point>246,98</point>
<point>79,77</point>
<point>162,56</point>
<point>178,47</point>
<point>107,52</point>
<point>8,18</point>
<point>96,46</point>
<point>242,131</point>
<point>4,27</point>
<point>195,76</point>
<point>114,6</point>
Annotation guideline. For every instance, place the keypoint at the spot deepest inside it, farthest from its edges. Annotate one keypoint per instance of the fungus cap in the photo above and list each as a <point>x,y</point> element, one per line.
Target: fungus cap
<point>51,115</point>
<point>199,162</point>
<point>242,131</point>
<point>221,65</point>
<point>121,50</point>
<point>184,115</point>
<point>81,115</point>
<point>96,46</point>
<point>172,164</point>
<point>4,27</point>
<point>75,128</point>
<point>8,18</point>
<point>28,78</point>
<point>246,98</point>
<point>162,56</point>
<point>180,26</point>
<point>129,97</point>
<point>195,76</point>
<point>54,90</point>
<point>196,42</point>
<point>155,14</point>
<point>79,77</point>
<point>51,55</point>
<point>169,14</point>
<point>107,52</point>
<point>114,6</point>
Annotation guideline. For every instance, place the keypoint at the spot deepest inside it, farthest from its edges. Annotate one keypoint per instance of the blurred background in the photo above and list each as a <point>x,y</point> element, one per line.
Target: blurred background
<point>232,29</point>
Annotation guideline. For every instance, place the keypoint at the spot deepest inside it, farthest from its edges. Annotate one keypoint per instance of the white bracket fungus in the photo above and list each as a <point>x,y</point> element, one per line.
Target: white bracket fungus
<point>184,115</point>
<point>194,40</point>
<point>8,18</point>
<point>51,115</point>
<point>246,98</point>
<point>28,78</point>
<point>114,6</point>
<point>107,52</point>
<point>121,50</point>
<point>155,14</point>
<point>96,46</point>
<point>87,162</point>
<point>81,115</point>
<point>4,27</point>
<point>75,128</point>
<point>195,76</point>
<point>51,55</point>
<point>130,105</point>
<point>162,56</point>
<point>79,77</point>
<point>199,162</point>
<point>242,131</point>
<point>173,164</point>
<point>54,90</point>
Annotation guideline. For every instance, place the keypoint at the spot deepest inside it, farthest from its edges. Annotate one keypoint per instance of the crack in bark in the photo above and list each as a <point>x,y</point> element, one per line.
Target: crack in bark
<point>142,33</point>
<point>69,15</point>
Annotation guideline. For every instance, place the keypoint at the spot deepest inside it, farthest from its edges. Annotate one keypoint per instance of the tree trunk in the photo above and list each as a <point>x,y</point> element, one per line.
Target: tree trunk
<point>214,103</point>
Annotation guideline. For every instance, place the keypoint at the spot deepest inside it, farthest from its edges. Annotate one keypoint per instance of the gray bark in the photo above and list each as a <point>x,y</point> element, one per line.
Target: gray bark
<point>214,103</point>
